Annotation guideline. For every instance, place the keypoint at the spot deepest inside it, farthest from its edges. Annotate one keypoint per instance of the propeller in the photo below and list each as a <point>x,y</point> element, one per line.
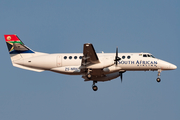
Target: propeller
<point>116,60</point>
<point>121,76</point>
<point>116,57</point>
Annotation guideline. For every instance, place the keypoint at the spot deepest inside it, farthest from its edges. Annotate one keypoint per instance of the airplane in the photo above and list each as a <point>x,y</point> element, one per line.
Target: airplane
<point>96,67</point>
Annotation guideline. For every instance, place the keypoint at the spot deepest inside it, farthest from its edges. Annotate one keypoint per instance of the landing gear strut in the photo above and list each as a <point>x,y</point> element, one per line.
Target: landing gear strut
<point>88,74</point>
<point>94,87</point>
<point>159,79</point>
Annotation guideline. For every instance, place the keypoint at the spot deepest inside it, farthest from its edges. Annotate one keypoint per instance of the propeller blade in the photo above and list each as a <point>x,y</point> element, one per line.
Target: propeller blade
<point>121,76</point>
<point>116,52</point>
<point>116,57</point>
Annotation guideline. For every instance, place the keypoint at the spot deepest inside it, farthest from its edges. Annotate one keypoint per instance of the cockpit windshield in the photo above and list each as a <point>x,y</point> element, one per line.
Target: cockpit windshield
<point>152,56</point>
<point>148,55</point>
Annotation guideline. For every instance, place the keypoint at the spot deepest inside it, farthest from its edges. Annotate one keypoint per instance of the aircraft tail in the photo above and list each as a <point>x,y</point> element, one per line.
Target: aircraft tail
<point>19,51</point>
<point>15,45</point>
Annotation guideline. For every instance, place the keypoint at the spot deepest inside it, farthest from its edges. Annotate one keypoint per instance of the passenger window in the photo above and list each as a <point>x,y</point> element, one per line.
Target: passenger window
<point>144,55</point>
<point>65,57</point>
<point>148,55</point>
<point>70,57</point>
<point>128,57</point>
<point>80,57</point>
<point>75,57</point>
<point>123,57</point>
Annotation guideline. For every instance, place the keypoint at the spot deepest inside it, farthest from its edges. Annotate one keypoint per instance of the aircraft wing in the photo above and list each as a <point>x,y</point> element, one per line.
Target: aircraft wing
<point>92,67</point>
<point>89,55</point>
<point>89,58</point>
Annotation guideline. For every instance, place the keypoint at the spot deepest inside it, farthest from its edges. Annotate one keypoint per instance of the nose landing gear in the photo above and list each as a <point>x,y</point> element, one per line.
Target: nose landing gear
<point>159,79</point>
<point>94,87</point>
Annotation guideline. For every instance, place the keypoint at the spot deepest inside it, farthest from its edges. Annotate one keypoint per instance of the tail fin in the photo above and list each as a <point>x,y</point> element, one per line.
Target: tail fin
<point>18,51</point>
<point>15,45</point>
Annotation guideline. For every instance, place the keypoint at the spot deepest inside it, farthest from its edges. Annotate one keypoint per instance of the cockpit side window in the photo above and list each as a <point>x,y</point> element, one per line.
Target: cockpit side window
<point>144,55</point>
<point>148,55</point>
<point>152,56</point>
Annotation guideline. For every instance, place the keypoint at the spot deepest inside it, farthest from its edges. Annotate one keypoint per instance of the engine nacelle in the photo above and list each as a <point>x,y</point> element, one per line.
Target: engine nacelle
<point>107,77</point>
<point>111,69</point>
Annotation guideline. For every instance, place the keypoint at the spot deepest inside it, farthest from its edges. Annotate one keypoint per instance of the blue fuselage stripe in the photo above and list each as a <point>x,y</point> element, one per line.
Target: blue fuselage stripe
<point>18,52</point>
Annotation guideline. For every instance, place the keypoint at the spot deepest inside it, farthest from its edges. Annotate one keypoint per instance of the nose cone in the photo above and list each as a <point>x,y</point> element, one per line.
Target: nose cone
<point>172,67</point>
<point>166,65</point>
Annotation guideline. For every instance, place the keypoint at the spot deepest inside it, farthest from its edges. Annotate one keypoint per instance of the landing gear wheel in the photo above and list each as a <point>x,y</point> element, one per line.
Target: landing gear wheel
<point>158,80</point>
<point>89,76</point>
<point>159,72</point>
<point>95,88</point>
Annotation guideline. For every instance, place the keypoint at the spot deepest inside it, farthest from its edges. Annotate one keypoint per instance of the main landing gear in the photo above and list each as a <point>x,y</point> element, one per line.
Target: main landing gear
<point>88,74</point>
<point>94,87</point>
<point>159,79</point>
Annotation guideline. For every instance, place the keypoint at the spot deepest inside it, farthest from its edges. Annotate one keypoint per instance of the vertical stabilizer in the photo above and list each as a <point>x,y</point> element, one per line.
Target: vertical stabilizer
<point>17,48</point>
<point>19,51</point>
<point>15,45</point>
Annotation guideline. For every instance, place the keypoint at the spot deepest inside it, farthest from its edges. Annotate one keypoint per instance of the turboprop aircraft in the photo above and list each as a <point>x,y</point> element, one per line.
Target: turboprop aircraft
<point>92,66</point>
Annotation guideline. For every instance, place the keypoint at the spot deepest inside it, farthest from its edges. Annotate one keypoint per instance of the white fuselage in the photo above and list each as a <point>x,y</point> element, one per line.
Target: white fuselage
<point>70,63</point>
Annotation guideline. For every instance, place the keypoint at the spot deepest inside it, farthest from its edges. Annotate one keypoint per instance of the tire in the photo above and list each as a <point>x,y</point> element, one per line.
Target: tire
<point>89,76</point>
<point>95,88</point>
<point>158,80</point>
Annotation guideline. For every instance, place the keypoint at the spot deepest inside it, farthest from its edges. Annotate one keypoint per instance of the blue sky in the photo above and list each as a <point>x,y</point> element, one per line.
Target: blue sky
<point>63,27</point>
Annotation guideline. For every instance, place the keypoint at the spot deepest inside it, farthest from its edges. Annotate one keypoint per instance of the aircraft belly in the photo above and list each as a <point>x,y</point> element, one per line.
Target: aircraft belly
<point>102,77</point>
<point>96,72</point>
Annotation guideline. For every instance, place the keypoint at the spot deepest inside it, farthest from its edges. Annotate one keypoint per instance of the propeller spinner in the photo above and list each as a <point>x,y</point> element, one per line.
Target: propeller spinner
<point>116,57</point>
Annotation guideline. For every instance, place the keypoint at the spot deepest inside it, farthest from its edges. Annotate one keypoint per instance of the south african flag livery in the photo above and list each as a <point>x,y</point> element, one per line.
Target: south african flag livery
<point>15,45</point>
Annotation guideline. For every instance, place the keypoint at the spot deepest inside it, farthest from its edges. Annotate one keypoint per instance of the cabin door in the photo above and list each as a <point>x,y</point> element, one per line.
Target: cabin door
<point>59,62</point>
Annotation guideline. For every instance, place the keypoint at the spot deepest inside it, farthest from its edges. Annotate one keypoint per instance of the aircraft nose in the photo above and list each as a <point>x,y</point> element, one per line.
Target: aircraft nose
<point>167,66</point>
<point>173,67</point>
